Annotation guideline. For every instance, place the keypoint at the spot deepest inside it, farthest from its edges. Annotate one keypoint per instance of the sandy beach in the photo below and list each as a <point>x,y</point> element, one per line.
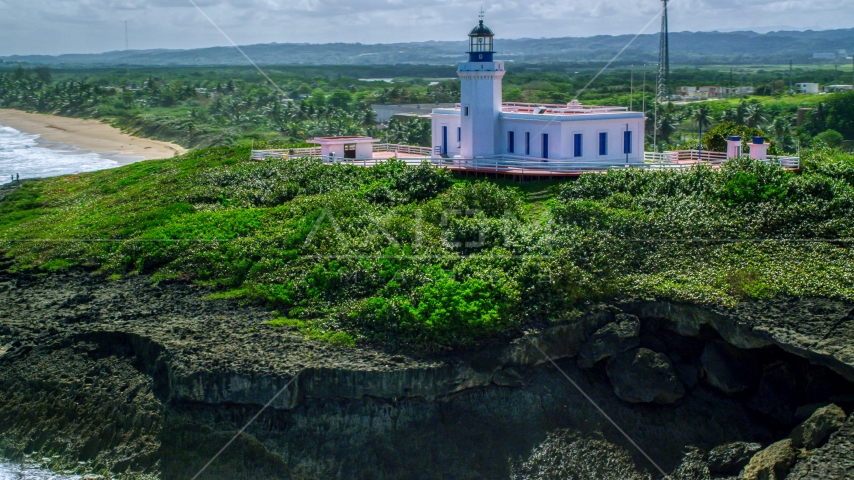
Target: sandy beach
<point>89,135</point>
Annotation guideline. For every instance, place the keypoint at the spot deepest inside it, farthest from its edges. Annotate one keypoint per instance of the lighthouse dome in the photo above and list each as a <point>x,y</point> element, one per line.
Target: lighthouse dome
<point>481,30</point>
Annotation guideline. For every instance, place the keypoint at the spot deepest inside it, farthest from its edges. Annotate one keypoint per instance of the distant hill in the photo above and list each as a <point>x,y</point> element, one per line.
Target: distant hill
<point>686,47</point>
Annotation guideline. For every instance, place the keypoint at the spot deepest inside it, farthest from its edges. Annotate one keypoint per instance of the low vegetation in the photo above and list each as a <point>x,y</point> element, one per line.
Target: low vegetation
<point>415,258</point>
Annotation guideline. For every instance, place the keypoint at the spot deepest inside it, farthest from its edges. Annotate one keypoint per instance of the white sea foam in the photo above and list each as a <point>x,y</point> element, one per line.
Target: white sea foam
<point>12,472</point>
<point>20,154</point>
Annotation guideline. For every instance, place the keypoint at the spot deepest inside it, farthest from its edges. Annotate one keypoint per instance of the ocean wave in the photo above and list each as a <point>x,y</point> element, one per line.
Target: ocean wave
<point>12,472</point>
<point>20,154</point>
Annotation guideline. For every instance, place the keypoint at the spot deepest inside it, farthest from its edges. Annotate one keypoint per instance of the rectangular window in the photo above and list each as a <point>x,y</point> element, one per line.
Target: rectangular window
<point>579,142</point>
<point>627,142</point>
<point>466,111</point>
<point>527,143</point>
<point>603,143</point>
<point>511,142</point>
<point>459,134</point>
<point>545,145</point>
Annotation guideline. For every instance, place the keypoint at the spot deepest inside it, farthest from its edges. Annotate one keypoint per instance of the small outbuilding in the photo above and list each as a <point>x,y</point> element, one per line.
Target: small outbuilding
<point>345,147</point>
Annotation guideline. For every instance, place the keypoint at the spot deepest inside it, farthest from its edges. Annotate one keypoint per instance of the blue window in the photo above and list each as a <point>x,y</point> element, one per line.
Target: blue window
<point>627,142</point>
<point>527,143</point>
<point>511,142</point>
<point>579,143</point>
<point>545,145</point>
<point>459,134</point>
<point>603,143</point>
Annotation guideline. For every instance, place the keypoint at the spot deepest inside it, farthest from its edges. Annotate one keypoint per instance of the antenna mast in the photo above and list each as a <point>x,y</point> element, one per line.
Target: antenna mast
<point>663,90</point>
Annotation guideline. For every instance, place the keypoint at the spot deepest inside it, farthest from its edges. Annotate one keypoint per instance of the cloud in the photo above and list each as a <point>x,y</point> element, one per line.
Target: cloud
<point>53,27</point>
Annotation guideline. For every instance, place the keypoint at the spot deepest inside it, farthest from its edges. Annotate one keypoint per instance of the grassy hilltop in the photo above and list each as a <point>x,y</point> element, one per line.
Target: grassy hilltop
<point>412,257</point>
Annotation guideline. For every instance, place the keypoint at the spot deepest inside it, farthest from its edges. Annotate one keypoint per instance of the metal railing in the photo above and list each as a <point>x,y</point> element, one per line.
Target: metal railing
<point>520,165</point>
<point>688,158</point>
<point>410,149</point>
<point>316,152</point>
<point>286,153</point>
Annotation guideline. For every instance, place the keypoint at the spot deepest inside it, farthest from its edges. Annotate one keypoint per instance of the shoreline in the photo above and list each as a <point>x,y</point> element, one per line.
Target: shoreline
<point>83,136</point>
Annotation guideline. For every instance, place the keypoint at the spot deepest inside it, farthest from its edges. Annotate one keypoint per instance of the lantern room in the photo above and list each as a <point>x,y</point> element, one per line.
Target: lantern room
<point>480,43</point>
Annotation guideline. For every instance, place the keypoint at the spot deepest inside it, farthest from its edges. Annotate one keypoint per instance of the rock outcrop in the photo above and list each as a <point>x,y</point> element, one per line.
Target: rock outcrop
<point>815,430</point>
<point>773,463</point>
<point>616,337</point>
<point>820,330</point>
<point>732,457</point>
<point>834,461</point>
<point>568,454</point>
<point>644,376</point>
<point>128,374</point>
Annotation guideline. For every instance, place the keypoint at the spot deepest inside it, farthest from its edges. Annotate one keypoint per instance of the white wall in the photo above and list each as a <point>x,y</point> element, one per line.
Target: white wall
<point>562,140</point>
<point>809,88</point>
<point>453,123</point>
<point>480,93</point>
<point>336,149</point>
<point>364,150</point>
<point>536,128</point>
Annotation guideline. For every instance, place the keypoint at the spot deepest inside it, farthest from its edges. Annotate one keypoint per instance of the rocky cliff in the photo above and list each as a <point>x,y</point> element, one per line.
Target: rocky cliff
<point>141,379</point>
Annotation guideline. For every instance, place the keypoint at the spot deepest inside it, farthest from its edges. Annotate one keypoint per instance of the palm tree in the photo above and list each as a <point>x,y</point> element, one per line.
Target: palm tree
<point>667,124</point>
<point>781,128</point>
<point>703,116</point>
<point>736,115</point>
<point>755,115</point>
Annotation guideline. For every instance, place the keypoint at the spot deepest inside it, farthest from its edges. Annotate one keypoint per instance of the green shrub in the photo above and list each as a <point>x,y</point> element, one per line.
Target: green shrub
<point>830,138</point>
<point>409,257</point>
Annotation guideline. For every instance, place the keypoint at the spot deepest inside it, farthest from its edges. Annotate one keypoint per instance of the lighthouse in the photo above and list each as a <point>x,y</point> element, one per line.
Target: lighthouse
<point>528,135</point>
<point>480,95</point>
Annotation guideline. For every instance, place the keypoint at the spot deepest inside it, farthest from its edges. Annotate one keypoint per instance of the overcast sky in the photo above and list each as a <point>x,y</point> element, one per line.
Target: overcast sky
<point>87,26</point>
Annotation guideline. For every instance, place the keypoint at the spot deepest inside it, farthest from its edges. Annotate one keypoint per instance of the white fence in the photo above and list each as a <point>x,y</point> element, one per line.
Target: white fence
<point>315,151</point>
<point>409,149</point>
<point>688,158</point>
<point>518,165</point>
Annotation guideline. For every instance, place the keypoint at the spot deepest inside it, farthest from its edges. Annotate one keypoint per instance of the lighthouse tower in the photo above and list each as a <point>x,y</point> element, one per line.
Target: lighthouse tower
<point>480,95</point>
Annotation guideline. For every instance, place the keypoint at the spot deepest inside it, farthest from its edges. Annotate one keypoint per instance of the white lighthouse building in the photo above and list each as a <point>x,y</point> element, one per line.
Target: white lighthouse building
<point>482,126</point>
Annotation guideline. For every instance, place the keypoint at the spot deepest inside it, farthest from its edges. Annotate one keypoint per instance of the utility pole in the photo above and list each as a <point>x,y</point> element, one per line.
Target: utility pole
<point>632,90</point>
<point>791,75</point>
<point>730,83</point>
<point>643,94</point>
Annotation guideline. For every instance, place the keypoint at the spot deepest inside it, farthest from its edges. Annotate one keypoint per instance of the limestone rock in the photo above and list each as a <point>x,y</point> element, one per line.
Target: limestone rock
<point>569,454</point>
<point>616,337</point>
<point>644,376</point>
<point>732,457</point>
<point>773,463</point>
<point>804,412</point>
<point>833,461</point>
<point>814,432</point>
<point>693,467</point>
<point>728,368</point>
